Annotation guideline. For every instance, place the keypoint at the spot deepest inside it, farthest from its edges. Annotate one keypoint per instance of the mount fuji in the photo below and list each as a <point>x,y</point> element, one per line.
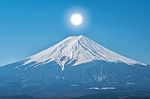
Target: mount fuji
<point>74,65</point>
<point>77,50</point>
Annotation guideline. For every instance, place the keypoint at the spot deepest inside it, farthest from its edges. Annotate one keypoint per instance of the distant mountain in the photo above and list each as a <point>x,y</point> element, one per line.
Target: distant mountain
<point>72,67</point>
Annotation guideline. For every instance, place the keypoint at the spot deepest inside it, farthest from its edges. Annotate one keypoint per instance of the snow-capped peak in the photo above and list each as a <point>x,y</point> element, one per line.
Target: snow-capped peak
<point>77,50</point>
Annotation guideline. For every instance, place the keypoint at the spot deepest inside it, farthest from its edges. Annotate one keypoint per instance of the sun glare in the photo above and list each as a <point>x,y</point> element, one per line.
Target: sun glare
<point>76,19</point>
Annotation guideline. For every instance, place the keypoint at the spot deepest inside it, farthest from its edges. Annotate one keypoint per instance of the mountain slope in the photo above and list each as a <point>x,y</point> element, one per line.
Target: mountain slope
<point>77,50</point>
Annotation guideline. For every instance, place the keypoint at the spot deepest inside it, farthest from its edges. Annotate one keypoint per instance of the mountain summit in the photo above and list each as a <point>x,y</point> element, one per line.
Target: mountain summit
<point>77,50</point>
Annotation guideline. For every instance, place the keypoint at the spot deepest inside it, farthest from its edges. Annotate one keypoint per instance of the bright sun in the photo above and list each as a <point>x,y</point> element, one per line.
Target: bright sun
<point>76,19</point>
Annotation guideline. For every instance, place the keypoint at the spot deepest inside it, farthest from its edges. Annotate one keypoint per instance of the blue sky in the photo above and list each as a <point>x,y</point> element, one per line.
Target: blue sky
<point>29,26</point>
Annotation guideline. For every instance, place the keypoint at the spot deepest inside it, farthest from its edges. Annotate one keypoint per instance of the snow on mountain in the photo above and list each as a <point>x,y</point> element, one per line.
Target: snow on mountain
<point>77,50</point>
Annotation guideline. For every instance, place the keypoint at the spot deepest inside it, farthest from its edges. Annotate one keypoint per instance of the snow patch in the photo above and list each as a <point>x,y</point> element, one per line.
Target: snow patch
<point>108,88</point>
<point>94,88</point>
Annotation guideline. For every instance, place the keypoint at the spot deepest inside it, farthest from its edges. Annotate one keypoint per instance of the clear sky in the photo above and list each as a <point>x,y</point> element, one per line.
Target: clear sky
<point>29,26</point>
